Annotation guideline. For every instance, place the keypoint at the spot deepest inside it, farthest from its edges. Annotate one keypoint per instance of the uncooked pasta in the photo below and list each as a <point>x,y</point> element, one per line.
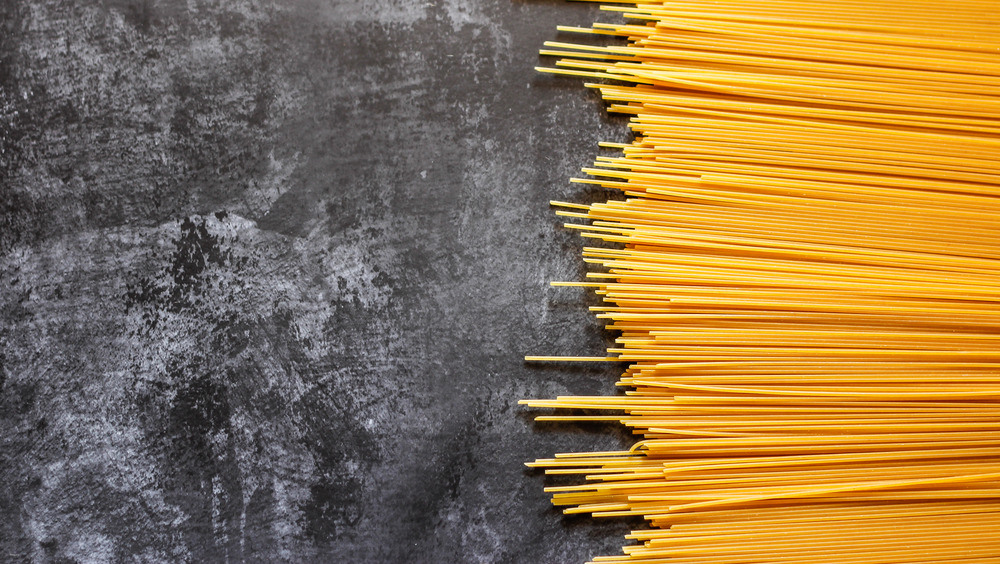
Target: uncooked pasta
<point>803,276</point>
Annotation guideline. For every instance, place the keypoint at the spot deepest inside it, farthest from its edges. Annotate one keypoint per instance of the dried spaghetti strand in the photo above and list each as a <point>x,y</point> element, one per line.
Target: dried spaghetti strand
<point>803,276</point>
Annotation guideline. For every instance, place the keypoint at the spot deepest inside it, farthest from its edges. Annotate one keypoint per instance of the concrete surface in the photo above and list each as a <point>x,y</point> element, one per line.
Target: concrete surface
<point>267,273</point>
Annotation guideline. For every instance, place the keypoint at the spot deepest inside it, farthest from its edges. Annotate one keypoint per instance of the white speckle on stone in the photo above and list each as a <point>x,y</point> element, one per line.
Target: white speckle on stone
<point>90,547</point>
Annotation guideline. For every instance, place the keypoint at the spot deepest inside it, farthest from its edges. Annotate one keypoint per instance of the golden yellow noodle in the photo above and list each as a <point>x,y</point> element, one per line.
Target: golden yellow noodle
<point>804,275</point>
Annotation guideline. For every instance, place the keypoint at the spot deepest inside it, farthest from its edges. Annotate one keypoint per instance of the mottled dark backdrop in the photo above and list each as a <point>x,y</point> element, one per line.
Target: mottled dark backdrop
<point>267,273</point>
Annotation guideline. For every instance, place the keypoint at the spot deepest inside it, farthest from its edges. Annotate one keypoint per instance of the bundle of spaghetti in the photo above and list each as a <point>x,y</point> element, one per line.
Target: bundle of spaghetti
<point>804,275</point>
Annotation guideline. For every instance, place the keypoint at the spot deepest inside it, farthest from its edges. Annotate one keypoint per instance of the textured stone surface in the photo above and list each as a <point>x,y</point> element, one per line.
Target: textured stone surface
<point>267,273</point>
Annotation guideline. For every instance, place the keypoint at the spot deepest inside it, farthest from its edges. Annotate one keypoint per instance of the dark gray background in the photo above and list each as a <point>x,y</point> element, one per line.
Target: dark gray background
<point>267,273</point>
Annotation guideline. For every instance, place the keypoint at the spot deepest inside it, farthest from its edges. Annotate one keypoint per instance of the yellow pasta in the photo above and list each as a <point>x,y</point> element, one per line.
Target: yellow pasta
<point>804,278</point>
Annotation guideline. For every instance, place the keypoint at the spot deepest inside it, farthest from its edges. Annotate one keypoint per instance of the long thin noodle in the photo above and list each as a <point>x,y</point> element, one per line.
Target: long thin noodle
<point>804,274</point>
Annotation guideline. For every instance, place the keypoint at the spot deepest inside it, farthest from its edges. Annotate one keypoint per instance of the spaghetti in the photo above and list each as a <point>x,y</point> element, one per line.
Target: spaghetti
<point>804,274</point>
